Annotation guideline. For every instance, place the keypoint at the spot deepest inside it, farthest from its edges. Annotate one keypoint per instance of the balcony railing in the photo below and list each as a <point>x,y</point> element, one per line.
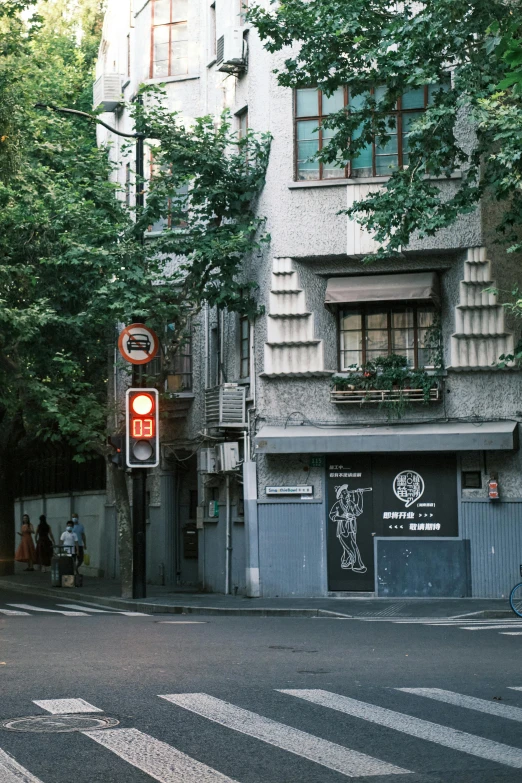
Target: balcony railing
<point>364,396</point>
<point>225,406</point>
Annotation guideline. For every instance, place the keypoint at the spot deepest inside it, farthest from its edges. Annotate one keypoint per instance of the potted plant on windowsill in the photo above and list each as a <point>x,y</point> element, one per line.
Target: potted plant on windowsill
<point>389,381</point>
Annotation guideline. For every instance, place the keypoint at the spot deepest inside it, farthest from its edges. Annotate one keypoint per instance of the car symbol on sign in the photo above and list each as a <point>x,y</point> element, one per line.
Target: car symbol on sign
<point>139,341</point>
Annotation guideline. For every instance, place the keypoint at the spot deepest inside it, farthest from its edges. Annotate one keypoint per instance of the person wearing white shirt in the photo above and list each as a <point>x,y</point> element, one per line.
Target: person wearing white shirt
<point>69,540</point>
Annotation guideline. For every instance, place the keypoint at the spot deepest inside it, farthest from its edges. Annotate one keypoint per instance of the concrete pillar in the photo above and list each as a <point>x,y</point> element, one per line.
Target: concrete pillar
<point>253,589</point>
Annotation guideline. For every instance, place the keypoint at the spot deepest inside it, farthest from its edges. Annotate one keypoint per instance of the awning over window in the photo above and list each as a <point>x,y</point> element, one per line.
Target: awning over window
<point>383,288</point>
<point>443,436</point>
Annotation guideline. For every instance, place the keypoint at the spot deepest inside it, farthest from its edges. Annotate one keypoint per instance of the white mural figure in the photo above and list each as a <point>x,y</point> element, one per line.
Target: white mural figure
<point>345,511</point>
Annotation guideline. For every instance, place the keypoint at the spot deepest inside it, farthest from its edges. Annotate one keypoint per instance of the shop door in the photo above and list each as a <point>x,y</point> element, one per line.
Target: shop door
<point>350,522</point>
<point>406,495</point>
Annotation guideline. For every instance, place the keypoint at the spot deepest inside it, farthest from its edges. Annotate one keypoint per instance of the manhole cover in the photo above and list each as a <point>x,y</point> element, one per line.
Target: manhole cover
<point>58,723</point>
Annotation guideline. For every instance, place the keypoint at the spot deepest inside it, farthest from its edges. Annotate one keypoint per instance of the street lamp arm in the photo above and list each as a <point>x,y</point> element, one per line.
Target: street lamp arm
<point>89,117</point>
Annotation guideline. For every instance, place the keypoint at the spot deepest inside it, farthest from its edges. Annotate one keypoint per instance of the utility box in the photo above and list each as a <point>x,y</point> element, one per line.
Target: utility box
<point>230,50</point>
<point>227,457</point>
<point>107,94</point>
<point>207,461</point>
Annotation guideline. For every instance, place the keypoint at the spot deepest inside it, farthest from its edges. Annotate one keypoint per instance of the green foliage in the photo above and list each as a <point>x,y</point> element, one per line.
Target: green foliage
<point>72,263</point>
<point>404,46</point>
<point>392,374</point>
<point>205,181</point>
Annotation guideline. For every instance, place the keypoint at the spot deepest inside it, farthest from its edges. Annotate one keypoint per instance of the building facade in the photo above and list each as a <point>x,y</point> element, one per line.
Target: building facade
<point>284,470</point>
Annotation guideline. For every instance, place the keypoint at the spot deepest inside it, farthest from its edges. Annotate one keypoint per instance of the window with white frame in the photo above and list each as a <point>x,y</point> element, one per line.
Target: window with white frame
<point>169,34</point>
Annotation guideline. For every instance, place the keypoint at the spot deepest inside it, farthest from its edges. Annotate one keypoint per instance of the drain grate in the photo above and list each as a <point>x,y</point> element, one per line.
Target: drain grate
<point>50,724</point>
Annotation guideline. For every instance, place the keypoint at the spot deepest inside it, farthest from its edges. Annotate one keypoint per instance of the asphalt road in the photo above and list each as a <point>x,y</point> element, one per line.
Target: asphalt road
<point>256,700</point>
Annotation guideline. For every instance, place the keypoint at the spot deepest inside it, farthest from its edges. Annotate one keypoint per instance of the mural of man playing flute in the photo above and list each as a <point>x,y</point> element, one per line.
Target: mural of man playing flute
<point>344,512</point>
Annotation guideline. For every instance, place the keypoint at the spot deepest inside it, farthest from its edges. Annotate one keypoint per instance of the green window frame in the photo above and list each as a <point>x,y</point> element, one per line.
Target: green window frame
<point>244,347</point>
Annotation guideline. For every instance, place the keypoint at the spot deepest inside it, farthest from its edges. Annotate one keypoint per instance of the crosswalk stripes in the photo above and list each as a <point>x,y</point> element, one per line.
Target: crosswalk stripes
<point>66,610</point>
<point>65,706</point>
<point>348,762</point>
<point>414,727</point>
<point>161,761</point>
<point>50,611</point>
<point>470,702</point>
<point>166,763</point>
<point>13,613</point>
<point>12,772</point>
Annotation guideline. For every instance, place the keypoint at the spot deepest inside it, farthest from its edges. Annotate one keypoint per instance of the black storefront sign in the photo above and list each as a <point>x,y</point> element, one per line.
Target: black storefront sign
<point>384,495</point>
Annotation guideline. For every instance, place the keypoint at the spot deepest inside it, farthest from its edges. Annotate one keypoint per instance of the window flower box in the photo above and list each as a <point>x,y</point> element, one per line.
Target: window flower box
<point>364,396</point>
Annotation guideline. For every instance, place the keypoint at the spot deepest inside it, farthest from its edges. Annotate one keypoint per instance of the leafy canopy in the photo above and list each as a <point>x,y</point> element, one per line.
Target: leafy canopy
<point>72,263</point>
<point>366,43</point>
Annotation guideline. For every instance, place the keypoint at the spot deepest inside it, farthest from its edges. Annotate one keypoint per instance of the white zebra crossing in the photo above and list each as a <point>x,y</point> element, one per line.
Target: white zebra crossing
<point>469,702</point>
<point>165,763</point>
<point>67,610</point>
<point>50,611</point>
<point>12,772</point>
<point>414,727</point>
<point>348,762</point>
<point>161,761</point>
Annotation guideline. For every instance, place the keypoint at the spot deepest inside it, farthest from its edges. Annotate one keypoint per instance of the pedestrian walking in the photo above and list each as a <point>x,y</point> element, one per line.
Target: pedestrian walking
<point>79,529</point>
<point>69,540</point>
<point>26,553</point>
<point>44,544</point>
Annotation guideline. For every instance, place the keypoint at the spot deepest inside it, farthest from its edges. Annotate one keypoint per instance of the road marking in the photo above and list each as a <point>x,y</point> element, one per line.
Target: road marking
<point>11,612</point>
<point>470,702</point>
<point>12,772</point>
<point>415,727</point>
<point>157,759</point>
<point>514,688</point>
<point>182,622</point>
<point>53,611</point>
<point>348,762</point>
<point>87,609</point>
<point>65,706</point>
<point>485,627</point>
<point>134,614</point>
<point>510,633</point>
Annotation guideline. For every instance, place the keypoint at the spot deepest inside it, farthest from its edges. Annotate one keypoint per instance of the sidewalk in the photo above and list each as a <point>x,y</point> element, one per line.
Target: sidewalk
<point>106,592</point>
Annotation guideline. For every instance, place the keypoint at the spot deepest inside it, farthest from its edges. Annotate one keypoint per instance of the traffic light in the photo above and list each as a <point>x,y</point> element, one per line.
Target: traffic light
<point>118,444</point>
<point>142,428</point>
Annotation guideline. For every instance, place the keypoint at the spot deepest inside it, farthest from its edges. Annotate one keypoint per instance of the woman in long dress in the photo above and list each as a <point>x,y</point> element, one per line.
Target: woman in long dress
<point>26,552</point>
<point>44,544</point>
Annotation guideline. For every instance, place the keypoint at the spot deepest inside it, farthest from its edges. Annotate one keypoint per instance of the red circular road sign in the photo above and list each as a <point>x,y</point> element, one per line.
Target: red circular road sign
<point>138,344</point>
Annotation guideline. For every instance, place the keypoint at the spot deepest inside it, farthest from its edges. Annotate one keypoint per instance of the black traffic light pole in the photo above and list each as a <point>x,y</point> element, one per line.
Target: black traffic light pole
<point>139,475</point>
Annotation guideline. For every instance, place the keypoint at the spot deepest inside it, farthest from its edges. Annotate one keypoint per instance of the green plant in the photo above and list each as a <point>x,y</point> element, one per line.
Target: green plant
<point>388,373</point>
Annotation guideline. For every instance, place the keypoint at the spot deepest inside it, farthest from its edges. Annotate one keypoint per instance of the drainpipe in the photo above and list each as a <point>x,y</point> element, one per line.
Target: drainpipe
<point>228,553</point>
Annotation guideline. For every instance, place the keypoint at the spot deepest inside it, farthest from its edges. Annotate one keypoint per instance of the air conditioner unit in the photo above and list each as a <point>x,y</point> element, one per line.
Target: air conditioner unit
<point>207,461</point>
<point>106,92</point>
<point>227,456</point>
<point>231,50</point>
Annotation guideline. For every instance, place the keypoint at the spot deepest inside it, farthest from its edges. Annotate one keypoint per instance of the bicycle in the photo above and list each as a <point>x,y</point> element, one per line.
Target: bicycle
<point>515,597</point>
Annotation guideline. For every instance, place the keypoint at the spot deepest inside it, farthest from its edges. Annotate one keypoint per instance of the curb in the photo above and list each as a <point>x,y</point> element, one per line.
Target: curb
<point>154,608</point>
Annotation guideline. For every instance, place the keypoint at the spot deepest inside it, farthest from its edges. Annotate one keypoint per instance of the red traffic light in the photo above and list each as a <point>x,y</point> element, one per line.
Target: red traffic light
<point>142,428</point>
<point>142,404</point>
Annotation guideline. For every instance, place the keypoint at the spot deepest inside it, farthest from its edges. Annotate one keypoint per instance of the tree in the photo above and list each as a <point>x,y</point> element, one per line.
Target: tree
<point>72,263</point>
<point>402,47</point>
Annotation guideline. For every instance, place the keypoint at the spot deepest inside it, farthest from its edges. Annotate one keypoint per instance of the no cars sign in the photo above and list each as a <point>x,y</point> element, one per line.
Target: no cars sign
<point>138,344</point>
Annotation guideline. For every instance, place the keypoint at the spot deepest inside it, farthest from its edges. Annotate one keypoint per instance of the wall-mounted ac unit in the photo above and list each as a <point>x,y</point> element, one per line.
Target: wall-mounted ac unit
<point>227,456</point>
<point>106,92</point>
<point>231,50</point>
<point>207,461</point>
<point>225,406</point>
